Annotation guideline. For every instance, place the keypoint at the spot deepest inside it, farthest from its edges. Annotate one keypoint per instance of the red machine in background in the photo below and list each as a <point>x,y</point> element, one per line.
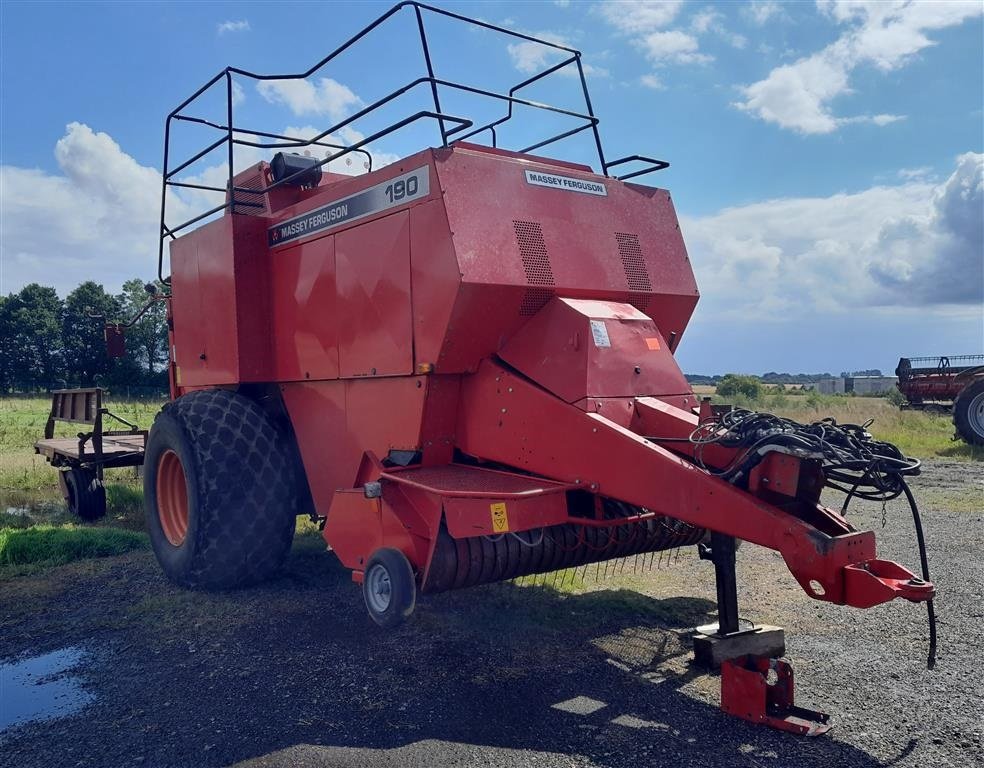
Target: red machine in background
<point>462,364</point>
<point>954,383</point>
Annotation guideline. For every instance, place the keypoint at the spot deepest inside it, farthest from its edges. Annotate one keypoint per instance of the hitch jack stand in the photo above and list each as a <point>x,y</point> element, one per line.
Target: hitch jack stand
<point>715,643</point>
<point>755,685</point>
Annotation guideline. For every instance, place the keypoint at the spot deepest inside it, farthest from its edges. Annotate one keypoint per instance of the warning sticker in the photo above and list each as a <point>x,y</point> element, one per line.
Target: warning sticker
<point>500,521</point>
<point>600,333</point>
<point>653,344</point>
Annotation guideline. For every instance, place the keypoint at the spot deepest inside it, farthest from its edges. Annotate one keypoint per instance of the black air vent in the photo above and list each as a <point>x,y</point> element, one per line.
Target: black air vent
<point>635,266</point>
<point>532,249</point>
<point>534,300</point>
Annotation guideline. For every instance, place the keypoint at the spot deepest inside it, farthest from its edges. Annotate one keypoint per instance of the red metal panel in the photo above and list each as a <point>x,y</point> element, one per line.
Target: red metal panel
<point>305,321</point>
<point>337,422</point>
<point>220,305</point>
<point>434,271</point>
<point>579,348</point>
<point>624,244</point>
<point>373,278</point>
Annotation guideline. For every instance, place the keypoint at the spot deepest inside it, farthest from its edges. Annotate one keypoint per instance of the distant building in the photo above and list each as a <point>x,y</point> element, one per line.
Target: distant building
<point>833,386</point>
<point>859,385</point>
<point>872,385</point>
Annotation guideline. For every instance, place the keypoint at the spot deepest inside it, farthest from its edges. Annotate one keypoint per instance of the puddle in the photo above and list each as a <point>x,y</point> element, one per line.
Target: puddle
<point>42,688</point>
<point>21,509</point>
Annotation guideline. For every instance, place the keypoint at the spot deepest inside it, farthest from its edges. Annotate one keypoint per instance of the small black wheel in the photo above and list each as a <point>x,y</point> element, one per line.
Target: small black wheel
<point>968,413</point>
<point>389,588</point>
<point>84,493</point>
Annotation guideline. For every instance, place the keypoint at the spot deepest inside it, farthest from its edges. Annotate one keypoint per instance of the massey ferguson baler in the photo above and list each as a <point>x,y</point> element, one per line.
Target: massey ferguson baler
<point>462,364</point>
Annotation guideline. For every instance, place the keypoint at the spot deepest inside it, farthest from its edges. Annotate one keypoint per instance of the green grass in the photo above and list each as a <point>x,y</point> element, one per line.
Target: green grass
<point>917,434</point>
<point>57,545</point>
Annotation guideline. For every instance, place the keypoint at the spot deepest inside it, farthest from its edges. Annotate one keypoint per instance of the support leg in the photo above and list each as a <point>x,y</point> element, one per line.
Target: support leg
<point>726,640</point>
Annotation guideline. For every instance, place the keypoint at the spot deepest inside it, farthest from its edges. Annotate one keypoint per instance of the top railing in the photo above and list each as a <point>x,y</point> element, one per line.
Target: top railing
<point>451,126</point>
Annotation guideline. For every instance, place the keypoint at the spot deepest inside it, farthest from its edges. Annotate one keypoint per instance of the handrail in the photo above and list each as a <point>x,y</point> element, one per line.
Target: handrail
<point>233,135</point>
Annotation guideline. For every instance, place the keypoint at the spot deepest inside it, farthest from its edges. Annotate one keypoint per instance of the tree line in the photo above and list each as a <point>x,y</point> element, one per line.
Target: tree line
<point>47,342</point>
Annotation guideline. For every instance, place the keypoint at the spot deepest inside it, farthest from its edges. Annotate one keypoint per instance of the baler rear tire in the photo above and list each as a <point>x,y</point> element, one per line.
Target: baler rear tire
<point>968,413</point>
<point>218,491</point>
<point>84,493</point>
<point>389,571</point>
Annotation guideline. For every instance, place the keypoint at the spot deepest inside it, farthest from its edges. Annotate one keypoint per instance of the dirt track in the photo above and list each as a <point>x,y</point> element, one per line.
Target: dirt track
<point>294,674</point>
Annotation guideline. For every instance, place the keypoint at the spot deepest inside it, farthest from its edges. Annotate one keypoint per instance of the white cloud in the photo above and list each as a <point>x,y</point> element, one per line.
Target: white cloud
<point>885,35</point>
<point>672,46</point>
<point>233,26</point>
<point>302,97</point>
<point>652,81</point>
<point>529,57</point>
<point>97,218</point>
<point>639,16</point>
<point>710,21</point>
<point>238,94</point>
<point>886,246</point>
<point>762,11</point>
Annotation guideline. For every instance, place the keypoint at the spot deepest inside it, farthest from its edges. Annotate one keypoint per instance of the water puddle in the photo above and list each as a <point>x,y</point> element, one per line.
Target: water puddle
<point>42,688</point>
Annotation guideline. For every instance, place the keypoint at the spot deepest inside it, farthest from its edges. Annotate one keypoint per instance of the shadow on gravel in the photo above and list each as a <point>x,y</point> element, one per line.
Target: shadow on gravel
<point>295,674</point>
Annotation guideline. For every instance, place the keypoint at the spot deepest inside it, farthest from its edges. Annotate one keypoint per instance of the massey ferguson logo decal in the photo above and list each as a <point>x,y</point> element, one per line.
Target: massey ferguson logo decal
<point>566,183</point>
<point>386,194</point>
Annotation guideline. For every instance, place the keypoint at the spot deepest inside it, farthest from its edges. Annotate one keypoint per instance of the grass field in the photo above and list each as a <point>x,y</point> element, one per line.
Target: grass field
<point>30,498</point>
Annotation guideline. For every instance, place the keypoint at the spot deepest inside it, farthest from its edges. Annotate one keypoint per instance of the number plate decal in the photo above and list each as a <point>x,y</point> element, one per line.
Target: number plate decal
<point>379,197</point>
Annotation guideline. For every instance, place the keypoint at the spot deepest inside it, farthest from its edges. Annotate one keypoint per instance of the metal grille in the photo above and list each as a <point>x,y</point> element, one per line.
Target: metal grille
<point>536,263</point>
<point>534,300</point>
<point>635,266</point>
<point>255,181</point>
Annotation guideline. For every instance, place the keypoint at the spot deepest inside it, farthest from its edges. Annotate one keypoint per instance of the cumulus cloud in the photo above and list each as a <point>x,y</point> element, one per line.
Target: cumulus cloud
<point>644,22</point>
<point>639,16</point>
<point>882,34</point>
<point>912,244</point>
<point>529,57</point>
<point>760,12</point>
<point>303,97</point>
<point>233,26</point>
<point>98,216</point>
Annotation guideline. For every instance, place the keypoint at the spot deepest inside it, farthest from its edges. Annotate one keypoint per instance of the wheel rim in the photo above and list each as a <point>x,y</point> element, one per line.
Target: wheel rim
<point>172,498</point>
<point>975,414</point>
<point>379,590</point>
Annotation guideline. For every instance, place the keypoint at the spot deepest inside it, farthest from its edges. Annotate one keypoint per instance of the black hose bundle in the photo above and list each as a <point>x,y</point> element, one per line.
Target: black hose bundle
<point>853,463</point>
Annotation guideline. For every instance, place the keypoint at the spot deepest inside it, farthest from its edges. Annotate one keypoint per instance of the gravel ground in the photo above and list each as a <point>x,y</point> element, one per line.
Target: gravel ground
<point>294,674</point>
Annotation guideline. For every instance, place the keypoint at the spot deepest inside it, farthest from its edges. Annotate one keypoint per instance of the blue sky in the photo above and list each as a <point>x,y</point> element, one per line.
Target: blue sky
<point>826,158</point>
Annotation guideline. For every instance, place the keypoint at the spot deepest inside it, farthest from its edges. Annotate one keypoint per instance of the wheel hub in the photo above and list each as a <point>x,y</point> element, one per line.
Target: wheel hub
<point>378,588</point>
<point>172,498</point>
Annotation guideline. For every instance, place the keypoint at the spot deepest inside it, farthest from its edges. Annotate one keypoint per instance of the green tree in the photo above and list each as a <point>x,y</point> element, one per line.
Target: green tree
<point>87,309</point>
<point>31,351</point>
<point>146,340</point>
<point>734,384</point>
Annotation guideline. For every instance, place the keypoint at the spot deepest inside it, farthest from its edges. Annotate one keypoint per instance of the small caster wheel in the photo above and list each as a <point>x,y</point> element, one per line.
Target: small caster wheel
<point>389,588</point>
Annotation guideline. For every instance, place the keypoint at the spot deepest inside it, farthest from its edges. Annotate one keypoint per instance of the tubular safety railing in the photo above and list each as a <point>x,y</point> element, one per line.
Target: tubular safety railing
<point>450,126</point>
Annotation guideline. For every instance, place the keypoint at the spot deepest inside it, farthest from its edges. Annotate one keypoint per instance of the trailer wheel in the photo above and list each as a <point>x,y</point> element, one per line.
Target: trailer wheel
<point>968,413</point>
<point>218,491</point>
<point>389,588</point>
<point>84,493</point>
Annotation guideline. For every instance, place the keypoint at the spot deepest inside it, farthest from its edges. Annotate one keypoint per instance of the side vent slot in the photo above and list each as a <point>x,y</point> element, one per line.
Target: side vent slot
<point>256,201</point>
<point>635,266</point>
<point>536,266</point>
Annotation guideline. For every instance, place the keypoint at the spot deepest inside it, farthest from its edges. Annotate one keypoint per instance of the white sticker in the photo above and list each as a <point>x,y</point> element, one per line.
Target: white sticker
<point>566,183</point>
<point>600,333</point>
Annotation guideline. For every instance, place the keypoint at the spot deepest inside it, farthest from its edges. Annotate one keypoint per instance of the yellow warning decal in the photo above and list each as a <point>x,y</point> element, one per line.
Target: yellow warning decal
<point>500,521</point>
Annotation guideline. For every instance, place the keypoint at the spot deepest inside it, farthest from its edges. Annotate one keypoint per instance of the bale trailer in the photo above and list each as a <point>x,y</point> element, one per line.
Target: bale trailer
<point>462,365</point>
